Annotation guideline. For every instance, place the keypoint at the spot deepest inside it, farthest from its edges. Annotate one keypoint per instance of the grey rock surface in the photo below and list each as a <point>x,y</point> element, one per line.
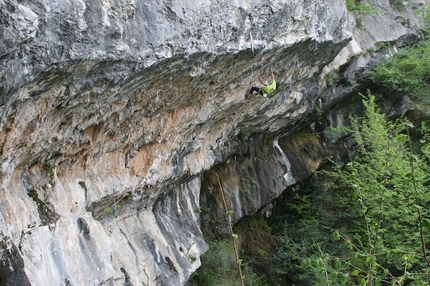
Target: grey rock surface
<point>112,112</point>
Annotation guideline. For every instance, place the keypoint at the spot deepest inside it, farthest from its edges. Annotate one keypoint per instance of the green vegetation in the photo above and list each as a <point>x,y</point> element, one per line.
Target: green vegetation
<point>113,209</point>
<point>361,8</point>
<point>239,257</point>
<point>205,209</point>
<point>234,236</point>
<point>219,264</point>
<point>329,78</point>
<point>363,223</point>
<point>383,45</point>
<point>398,4</point>
<point>408,71</point>
<point>219,267</point>
<point>50,168</point>
<point>242,137</point>
<point>426,13</point>
<point>246,191</point>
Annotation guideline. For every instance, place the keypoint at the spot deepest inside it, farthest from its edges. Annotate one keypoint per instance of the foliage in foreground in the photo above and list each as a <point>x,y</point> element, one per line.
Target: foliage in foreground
<point>375,207</point>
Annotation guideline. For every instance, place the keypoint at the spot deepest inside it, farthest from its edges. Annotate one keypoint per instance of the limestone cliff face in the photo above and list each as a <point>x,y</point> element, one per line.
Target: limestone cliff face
<point>113,111</point>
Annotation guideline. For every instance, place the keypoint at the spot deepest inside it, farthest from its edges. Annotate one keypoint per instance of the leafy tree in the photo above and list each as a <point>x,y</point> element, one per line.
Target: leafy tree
<point>377,208</point>
<point>388,183</point>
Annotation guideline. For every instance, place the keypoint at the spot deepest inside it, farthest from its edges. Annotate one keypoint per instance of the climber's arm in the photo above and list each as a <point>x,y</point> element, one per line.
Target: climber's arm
<point>262,82</point>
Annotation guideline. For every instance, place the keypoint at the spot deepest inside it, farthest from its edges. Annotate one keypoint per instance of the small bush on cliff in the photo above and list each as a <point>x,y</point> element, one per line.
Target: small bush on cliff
<point>398,4</point>
<point>360,8</point>
<point>50,168</point>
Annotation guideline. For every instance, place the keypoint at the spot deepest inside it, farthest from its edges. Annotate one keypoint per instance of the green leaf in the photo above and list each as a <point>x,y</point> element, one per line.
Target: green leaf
<point>306,262</point>
<point>378,281</point>
<point>370,259</point>
<point>336,235</point>
<point>319,262</point>
<point>426,222</point>
<point>334,276</point>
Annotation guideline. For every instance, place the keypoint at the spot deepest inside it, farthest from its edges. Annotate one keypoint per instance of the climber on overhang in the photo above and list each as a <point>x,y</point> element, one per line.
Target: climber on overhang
<point>266,89</point>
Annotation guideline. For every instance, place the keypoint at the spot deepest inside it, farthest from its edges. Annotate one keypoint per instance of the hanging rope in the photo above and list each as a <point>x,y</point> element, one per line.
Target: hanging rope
<point>233,235</point>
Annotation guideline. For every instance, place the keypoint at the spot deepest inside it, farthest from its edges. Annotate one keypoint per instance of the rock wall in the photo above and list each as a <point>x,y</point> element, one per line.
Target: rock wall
<point>112,112</point>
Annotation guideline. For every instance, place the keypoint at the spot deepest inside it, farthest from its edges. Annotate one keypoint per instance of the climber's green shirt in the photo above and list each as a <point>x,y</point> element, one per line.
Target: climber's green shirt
<point>268,89</point>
